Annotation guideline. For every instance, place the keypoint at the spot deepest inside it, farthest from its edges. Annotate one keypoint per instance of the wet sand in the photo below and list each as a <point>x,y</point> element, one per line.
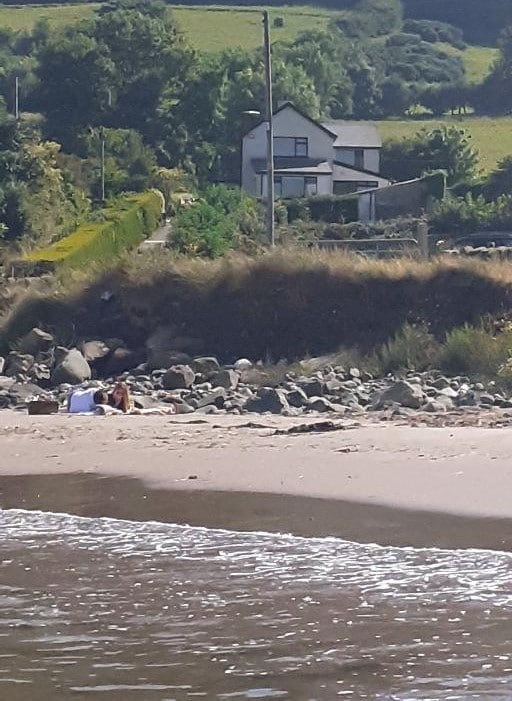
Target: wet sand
<point>390,484</point>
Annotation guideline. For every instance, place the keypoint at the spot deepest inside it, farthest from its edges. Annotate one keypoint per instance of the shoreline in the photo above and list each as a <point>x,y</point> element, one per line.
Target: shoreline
<point>388,484</point>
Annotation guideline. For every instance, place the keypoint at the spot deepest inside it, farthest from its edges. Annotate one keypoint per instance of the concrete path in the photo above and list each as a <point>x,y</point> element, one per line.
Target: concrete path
<point>158,239</point>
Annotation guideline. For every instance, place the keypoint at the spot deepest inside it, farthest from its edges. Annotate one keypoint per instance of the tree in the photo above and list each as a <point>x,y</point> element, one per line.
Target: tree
<point>499,181</point>
<point>443,148</point>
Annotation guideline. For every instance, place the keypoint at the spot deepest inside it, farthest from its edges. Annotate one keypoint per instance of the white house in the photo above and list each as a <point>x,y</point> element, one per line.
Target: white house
<point>312,158</point>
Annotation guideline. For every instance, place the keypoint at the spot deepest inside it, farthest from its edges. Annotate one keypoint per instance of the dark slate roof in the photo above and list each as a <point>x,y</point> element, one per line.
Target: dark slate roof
<point>354,134</point>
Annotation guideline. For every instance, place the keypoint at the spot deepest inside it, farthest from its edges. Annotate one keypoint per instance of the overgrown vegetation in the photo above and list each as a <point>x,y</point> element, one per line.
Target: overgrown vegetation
<point>286,304</point>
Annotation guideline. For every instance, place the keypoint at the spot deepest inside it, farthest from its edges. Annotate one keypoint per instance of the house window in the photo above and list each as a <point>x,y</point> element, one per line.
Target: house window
<point>295,186</point>
<point>290,146</point>
<point>351,157</point>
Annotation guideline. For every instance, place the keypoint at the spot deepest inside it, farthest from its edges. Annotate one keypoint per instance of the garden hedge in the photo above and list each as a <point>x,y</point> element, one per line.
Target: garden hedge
<point>125,224</point>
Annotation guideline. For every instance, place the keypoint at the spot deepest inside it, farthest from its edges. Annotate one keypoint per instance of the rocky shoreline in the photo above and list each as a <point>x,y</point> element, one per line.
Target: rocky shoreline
<point>40,369</point>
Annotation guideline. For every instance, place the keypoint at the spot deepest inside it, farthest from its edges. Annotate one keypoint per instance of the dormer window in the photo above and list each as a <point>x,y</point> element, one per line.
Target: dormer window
<point>291,146</point>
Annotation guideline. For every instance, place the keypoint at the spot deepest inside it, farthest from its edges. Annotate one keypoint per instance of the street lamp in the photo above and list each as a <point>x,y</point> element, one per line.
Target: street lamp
<point>270,129</point>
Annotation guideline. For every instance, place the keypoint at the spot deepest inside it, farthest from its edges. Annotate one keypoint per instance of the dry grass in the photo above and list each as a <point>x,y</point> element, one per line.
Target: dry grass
<point>284,304</point>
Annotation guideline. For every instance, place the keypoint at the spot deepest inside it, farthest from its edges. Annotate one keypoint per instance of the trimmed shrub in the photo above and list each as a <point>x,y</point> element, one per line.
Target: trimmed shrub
<point>126,223</point>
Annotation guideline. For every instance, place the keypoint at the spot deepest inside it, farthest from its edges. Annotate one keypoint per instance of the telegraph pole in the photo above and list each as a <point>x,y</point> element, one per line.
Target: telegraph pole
<point>270,130</point>
<point>17,98</point>
<point>102,163</point>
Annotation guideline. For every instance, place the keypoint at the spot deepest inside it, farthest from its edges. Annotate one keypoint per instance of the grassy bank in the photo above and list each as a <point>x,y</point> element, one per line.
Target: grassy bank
<point>279,305</point>
<point>491,137</point>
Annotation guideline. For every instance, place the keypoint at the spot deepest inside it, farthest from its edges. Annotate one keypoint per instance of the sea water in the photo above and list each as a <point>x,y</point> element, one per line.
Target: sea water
<point>95,608</point>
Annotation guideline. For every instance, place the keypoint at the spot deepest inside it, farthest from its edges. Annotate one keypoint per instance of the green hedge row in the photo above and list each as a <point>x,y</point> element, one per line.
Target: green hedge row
<point>125,224</point>
<point>333,209</point>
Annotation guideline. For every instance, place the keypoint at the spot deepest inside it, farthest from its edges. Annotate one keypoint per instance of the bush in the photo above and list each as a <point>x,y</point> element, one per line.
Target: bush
<point>223,219</point>
<point>334,209</point>
<point>126,222</point>
<point>475,351</point>
<point>413,348</point>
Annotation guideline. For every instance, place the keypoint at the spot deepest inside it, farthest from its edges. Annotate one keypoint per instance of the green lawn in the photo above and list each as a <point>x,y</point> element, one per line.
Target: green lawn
<point>477,60</point>
<point>210,28</point>
<point>491,137</point>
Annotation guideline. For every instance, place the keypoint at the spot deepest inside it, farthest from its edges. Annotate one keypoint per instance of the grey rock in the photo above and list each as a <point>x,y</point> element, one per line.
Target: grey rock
<point>297,398</point>
<point>178,377</point>
<point>268,399</point>
<point>217,397</point>
<point>2,364</point>
<point>486,399</point>
<point>402,393</point>
<point>121,360</point>
<point>94,350</point>
<point>18,363</point>
<point>434,407</point>
<point>39,372</point>
<point>73,369</point>
<point>354,373</point>
<point>313,387</point>
<point>226,378</point>
<point>320,404</point>
<point>20,393</point>
<point>448,392</point>
<point>242,364</point>
<point>205,366</point>
<point>36,341</point>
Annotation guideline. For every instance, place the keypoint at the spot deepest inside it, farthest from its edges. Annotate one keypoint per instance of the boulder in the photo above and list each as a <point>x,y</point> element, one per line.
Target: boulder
<point>36,341</point>
<point>94,350</point>
<point>121,360</point>
<point>312,386</point>
<point>2,364</point>
<point>73,369</point>
<point>18,363</point>
<point>402,393</point>
<point>268,399</point>
<point>21,392</point>
<point>226,378</point>
<point>242,364</point>
<point>217,397</point>
<point>178,377</point>
<point>205,366</point>
<point>161,351</point>
<point>320,404</point>
<point>297,398</point>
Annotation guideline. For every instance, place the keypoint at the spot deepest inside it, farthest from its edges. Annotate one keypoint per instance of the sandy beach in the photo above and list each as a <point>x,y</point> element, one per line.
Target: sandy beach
<point>384,483</point>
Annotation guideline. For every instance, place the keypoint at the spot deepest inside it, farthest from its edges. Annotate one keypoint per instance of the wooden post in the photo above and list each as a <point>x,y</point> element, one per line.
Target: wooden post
<point>422,233</point>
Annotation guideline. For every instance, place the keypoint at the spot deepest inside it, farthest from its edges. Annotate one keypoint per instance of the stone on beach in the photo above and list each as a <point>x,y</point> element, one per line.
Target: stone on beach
<point>73,369</point>
<point>403,393</point>
<point>36,341</point>
<point>178,377</point>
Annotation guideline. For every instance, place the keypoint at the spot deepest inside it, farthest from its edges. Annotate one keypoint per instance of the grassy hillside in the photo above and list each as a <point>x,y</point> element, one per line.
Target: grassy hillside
<point>477,60</point>
<point>213,28</point>
<point>492,137</point>
<point>208,28</point>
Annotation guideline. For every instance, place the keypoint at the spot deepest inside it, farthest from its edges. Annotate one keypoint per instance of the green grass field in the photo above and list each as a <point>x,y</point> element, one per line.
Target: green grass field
<point>208,28</point>
<point>491,137</point>
<point>477,60</point>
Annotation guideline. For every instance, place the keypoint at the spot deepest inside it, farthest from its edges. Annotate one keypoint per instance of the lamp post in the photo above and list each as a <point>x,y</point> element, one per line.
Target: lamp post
<point>270,130</point>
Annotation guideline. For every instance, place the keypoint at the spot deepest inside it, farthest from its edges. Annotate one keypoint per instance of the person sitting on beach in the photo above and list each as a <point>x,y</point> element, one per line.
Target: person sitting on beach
<point>86,401</point>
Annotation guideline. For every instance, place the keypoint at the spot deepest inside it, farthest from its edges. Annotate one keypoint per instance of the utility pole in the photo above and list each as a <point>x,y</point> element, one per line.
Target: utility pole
<point>102,162</point>
<point>270,130</point>
<point>17,98</point>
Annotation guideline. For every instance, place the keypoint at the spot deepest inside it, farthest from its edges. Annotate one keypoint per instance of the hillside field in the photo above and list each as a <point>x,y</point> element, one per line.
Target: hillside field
<point>491,137</point>
<point>216,27</point>
<point>208,28</point>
